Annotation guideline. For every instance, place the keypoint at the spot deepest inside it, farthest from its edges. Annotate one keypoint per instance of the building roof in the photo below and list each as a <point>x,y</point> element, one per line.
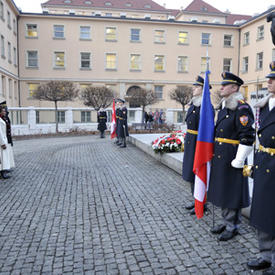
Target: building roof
<point>231,18</point>
<point>148,5</point>
<point>201,6</point>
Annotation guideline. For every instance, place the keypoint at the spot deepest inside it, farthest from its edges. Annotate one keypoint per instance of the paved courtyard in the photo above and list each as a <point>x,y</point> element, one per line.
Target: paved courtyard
<point>80,205</point>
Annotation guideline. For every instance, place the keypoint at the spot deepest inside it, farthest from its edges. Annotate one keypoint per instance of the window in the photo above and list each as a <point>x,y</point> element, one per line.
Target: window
<point>85,60</point>
<point>260,33</point>
<point>245,64</point>
<point>183,37</point>
<point>108,4</point>
<point>204,64</point>
<point>59,59</point>
<point>108,14</point>
<point>135,62</point>
<point>14,56</point>
<point>9,19</point>
<point>61,116</point>
<point>1,10</point>
<point>32,30</point>
<point>159,63</point>
<point>85,32</point>
<point>110,61</point>
<point>32,59</point>
<point>246,38</point>
<point>227,42</point>
<point>110,34</point>
<point>2,46</point>
<point>159,36</point>
<point>85,116</point>
<point>159,91</point>
<point>37,117</point>
<point>205,38</point>
<point>259,61</point>
<point>227,62</point>
<point>182,64</point>
<point>14,26</point>
<point>135,34</point>
<point>59,31</point>
<point>10,92</point>
<point>9,52</point>
<point>273,54</point>
<point>147,6</point>
<point>32,88</point>
<point>179,117</point>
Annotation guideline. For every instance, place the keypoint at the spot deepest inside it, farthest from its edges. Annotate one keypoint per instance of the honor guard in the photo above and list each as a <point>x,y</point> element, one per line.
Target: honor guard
<point>101,119</point>
<point>122,124</point>
<point>192,121</point>
<point>234,137</point>
<point>262,215</point>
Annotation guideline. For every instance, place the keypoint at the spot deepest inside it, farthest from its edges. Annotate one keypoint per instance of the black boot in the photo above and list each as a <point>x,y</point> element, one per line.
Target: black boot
<point>4,175</point>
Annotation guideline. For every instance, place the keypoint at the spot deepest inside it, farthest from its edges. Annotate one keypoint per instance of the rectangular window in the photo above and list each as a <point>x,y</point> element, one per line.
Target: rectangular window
<point>58,31</point>
<point>32,88</point>
<point>1,10</point>
<point>85,60</point>
<point>227,64</point>
<point>183,37</point>
<point>14,26</point>
<point>32,59</point>
<point>9,52</point>
<point>10,92</point>
<point>159,91</point>
<point>246,38</point>
<point>59,59</point>
<point>110,34</point>
<point>205,39</point>
<point>9,19</point>
<point>259,61</point>
<point>61,116</point>
<point>135,62</point>
<point>85,32</point>
<point>204,64</point>
<point>227,42</point>
<point>32,30</point>
<point>182,64</point>
<point>110,61</point>
<point>260,33</point>
<point>245,64</point>
<point>2,46</point>
<point>85,116</point>
<point>159,36</point>
<point>14,56</point>
<point>179,117</point>
<point>37,117</point>
<point>135,34</point>
<point>273,54</point>
<point>159,63</point>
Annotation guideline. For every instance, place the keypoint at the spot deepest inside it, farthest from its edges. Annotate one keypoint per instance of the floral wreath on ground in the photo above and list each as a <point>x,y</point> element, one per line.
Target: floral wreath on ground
<point>173,142</point>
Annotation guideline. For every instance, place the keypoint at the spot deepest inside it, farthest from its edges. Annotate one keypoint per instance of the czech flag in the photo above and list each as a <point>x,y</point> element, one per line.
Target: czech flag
<point>113,122</point>
<point>204,149</point>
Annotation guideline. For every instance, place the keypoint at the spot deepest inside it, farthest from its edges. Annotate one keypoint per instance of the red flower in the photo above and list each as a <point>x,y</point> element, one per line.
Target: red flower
<point>178,141</point>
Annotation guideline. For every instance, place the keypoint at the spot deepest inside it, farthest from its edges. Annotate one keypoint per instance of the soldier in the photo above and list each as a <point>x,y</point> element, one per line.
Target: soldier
<point>101,119</point>
<point>234,137</point>
<point>123,125</point>
<point>262,215</point>
<point>192,121</point>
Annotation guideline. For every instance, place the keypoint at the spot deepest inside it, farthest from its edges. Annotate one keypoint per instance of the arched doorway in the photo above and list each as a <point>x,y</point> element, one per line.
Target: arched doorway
<point>131,91</point>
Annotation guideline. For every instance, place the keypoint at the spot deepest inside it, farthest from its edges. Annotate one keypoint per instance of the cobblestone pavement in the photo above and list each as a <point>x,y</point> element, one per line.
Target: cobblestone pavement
<point>82,205</point>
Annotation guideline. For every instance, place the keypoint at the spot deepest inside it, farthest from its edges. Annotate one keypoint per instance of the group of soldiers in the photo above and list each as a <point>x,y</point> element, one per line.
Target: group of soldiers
<point>234,139</point>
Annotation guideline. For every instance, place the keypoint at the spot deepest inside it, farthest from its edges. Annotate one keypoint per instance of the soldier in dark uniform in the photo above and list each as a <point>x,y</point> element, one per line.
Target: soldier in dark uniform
<point>122,124</point>
<point>192,121</point>
<point>234,137</point>
<point>101,119</point>
<point>262,215</point>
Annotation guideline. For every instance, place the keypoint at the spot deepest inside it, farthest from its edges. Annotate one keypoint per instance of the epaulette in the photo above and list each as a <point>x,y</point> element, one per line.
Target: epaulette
<point>242,101</point>
<point>243,104</point>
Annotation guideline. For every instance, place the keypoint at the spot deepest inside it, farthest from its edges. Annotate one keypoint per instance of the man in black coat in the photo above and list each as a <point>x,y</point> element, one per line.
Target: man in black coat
<point>123,123</point>
<point>234,137</point>
<point>192,121</point>
<point>101,119</point>
<point>262,215</point>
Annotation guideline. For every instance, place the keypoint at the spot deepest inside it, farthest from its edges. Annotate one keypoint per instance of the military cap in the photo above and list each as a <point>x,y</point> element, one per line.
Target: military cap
<point>3,103</point>
<point>272,68</point>
<point>120,100</point>
<point>229,78</point>
<point>200,82</point>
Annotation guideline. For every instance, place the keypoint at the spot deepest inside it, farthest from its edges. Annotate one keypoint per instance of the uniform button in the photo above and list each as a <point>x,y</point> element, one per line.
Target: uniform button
<point>260,135</point>
<point>273,137</point>
<point>227,116</point>
<point>267,170</point>
<point>220,143</point>
<point>188,142</point>
<point>194,111</point>
<point>221,130</point>
<point>219,156</point>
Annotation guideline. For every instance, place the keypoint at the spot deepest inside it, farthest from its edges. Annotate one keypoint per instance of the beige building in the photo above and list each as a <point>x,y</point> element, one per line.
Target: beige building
<point>124,44</point>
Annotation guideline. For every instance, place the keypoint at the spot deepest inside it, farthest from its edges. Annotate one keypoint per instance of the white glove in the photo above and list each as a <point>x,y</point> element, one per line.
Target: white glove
<point>242,154</point>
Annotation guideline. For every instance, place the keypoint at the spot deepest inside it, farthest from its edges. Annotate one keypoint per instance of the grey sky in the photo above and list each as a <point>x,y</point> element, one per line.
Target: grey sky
<point>234,6</point>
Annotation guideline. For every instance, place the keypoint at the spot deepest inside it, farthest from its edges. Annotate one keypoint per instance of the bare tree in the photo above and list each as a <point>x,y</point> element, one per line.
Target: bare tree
<point>142,97</point>
<point>183,95</point>
<point>97,97</point>
<point>56,91</point>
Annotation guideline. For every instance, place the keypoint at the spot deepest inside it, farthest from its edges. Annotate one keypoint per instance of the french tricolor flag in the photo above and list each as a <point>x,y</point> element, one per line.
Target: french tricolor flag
<point>204,149</point>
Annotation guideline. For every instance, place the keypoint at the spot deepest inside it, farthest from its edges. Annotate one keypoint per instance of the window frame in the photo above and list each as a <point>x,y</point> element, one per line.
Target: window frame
<point>106,62</point>
<point>163,63</point>
<point>230,65</point>
<point>85,60</point>
<point>156,37</point>
<point>27,31</point>
<point>157,92</point>
<point>81,32</point>
<point>226,40</point>
<point>179,60</point>
<point>139,62</point>
<point>209,39</point>
<point>179,38</point>
<point>133,35</point>
<point>246,38</point>
<point>260,33</point>
<point>58,31</point>
<point>115,34</point>
<point>245,64</point>
<point>259,61</point>
<point>54,60</point>
<point>33,59</point>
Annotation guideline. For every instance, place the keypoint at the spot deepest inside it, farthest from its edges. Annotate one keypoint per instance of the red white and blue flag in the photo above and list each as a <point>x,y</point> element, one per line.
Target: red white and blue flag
<point>113,122</point>
<point>204,149</point>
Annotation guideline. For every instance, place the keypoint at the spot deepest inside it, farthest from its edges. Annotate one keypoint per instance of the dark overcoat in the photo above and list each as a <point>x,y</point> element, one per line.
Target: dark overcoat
<point>192,121</point>
<point>122,123</point>
<point>101,119</point>
<point>228,188</point>
<point>263,202</point>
